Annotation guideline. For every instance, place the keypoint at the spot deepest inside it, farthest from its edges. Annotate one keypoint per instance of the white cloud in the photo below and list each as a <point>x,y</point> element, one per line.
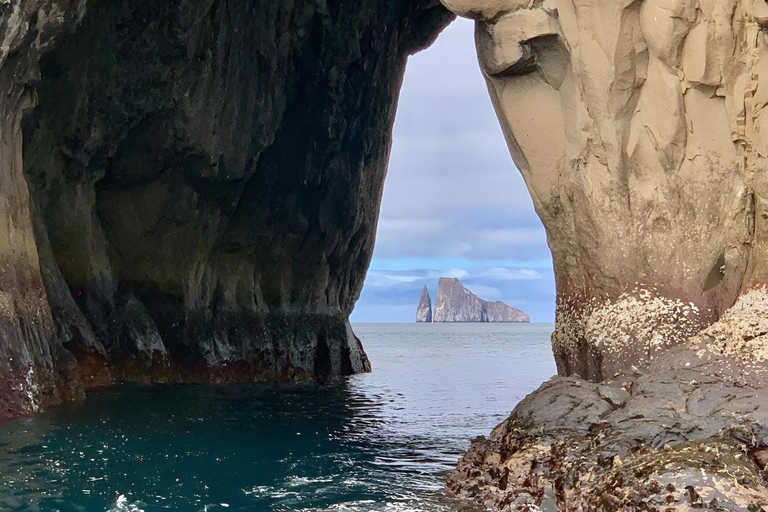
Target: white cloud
<point>458,273</point>
<point>404,279</point>
<point>515,274</point>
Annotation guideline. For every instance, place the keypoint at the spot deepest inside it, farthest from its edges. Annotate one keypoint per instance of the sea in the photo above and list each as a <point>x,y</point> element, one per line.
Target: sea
<point>383,441</point>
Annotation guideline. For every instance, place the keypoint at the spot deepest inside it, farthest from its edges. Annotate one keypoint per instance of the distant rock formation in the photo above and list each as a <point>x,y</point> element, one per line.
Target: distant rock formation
<point>424,311</point>
<point>454,303</point>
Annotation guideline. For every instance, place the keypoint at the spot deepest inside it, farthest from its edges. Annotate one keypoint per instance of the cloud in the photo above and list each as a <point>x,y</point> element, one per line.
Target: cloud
<point>410,263</point>
<point>516,274</point>
<point>402,279</point>
<point>458,273</point>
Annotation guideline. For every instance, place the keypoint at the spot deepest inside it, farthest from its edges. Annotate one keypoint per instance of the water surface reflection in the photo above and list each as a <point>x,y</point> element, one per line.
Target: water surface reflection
<point>382,441</point>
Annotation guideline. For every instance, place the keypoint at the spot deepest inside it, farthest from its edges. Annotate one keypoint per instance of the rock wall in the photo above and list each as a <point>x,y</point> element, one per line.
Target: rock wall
<point>640,130</point>
<point>190,188</point>
<point>34,368</point>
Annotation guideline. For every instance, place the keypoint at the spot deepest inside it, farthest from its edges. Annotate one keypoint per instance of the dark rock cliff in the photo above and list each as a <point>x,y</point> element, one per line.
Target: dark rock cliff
<point>190,188</point>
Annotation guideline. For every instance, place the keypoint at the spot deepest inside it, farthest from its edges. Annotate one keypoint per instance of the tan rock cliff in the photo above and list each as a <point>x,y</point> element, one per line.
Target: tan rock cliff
<point>641,132</point>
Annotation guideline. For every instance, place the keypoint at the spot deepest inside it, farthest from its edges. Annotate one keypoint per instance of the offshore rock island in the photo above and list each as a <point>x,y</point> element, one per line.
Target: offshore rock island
<point>454,303</point>
<point>424,309</point>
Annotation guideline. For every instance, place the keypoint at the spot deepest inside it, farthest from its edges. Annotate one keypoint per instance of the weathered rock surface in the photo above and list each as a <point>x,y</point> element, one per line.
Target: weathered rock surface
<point>189,188</point>
<point>683,434</point>
<point>454,303</point>
<point>640,130</point>
<point>424,310</point>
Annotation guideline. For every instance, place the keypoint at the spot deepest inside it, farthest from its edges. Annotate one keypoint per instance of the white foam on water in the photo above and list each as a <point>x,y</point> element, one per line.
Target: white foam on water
<point>123,505</point>
<point>297,481</point>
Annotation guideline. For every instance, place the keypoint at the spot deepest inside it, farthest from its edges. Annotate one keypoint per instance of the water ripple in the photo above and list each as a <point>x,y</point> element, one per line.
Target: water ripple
<point>379,442</point>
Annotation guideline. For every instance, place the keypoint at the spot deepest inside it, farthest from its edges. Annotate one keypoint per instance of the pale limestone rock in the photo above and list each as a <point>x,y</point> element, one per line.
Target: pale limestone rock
<point>641,131</point>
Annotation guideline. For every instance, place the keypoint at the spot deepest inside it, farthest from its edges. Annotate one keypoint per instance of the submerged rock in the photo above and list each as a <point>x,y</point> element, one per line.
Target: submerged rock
<point>424,311</point>
<point>454,303</point>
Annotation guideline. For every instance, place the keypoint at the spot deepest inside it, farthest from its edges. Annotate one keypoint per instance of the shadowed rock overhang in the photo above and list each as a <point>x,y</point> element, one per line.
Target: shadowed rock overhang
<point>189,189</point>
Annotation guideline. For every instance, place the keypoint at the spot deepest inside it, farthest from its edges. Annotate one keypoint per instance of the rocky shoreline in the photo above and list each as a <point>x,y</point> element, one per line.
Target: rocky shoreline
<point>689,432</point>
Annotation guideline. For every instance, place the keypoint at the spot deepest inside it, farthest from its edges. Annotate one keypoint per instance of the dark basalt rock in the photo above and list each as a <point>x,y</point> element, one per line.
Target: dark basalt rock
<point>687,432</point>
<point>193,186</point>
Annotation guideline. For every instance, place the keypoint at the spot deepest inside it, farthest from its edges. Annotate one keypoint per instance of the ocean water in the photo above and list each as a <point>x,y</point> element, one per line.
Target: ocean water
<point>377,442</point>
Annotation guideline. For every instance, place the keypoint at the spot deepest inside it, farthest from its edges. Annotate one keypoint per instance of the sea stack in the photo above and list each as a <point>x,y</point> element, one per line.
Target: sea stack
<point>424,311</point>
<point>454,303</point>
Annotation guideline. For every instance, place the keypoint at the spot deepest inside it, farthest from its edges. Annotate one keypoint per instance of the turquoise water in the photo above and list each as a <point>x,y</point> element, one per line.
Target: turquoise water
<point>377,442</point>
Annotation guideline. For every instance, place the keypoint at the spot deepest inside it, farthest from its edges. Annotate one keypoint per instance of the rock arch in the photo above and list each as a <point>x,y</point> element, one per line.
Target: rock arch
<point>189,192</point>
<point>188,184</point>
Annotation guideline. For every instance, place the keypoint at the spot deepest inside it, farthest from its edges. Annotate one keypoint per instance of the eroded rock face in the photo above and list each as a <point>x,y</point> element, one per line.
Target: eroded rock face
<point>639,129</point>
<point>191,187</point>
<point>424,310</point>
<point>684,434</point>
<point>34,368</point>
<point>455,303</point>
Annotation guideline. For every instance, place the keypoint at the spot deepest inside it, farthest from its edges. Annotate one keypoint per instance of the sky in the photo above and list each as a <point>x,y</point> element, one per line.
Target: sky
<point>454,203</point>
